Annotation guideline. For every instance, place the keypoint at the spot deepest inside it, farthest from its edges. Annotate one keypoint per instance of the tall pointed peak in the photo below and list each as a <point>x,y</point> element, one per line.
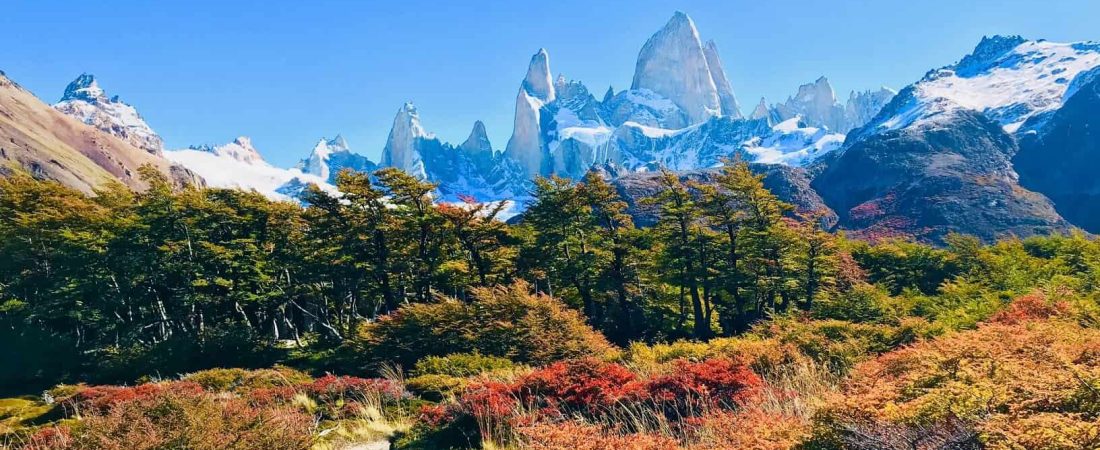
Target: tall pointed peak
<point>607,96</point>
<point>761,111</point>
<point>402,145</point>
<point>338,142</point>
<point>538,82</point>
<point>479,129</point>
<point>726,98</point>
<point>86,88</point>
<point>673,64</point>
<point>478,141</point>
<point>680,18</point>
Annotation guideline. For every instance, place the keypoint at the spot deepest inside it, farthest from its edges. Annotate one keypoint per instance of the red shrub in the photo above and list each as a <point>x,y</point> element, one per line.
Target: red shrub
<point>582,384</point>
<point>103,398</point>
<point>48,438</point>
<point>691,387</point>
<point>331,388</point>
<point>435,415</point>
<point>1034,306</point>
<point>488,400</point>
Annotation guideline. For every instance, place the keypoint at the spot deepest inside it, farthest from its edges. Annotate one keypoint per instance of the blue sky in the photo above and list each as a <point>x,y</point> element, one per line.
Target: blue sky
<point>289,72</point>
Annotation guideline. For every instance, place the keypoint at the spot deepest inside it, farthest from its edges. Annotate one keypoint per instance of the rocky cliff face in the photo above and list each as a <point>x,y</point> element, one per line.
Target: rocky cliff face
<point>1061,157</point>
<point>673,65</point>
<point>726,99</point>
<point>404,143</point>
<point>330,156</point>
<point>527,147</point>
<point>949,175</point>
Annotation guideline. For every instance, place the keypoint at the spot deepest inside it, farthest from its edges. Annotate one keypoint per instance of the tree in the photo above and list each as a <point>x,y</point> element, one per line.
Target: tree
<point>482,236</point>
<point>619,276</point>
<point>683,254</point>
<point>565,242</point>
<point>417,222</point>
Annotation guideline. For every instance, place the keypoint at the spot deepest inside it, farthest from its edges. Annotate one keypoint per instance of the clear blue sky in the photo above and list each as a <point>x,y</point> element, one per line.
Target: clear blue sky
<point>289,72</point>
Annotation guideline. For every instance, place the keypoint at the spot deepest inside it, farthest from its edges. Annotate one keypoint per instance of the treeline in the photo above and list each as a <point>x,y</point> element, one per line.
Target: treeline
<point>119,284</point>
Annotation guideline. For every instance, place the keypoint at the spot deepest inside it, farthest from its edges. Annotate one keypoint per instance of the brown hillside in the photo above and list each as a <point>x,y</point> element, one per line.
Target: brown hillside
<point>51,145</point>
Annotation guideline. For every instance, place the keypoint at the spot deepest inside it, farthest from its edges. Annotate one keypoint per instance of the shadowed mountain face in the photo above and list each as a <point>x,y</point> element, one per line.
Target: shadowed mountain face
<point>53,145</point>
<point>1062,158</point>
<point>949,175</point>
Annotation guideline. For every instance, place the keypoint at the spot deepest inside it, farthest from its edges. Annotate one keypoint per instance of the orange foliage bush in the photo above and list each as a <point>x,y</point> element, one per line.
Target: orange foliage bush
<point>751,428</point>
<point>195,420</point>
<point>1034,306</point>
<point>577,436</point>
<point>1016,382</point>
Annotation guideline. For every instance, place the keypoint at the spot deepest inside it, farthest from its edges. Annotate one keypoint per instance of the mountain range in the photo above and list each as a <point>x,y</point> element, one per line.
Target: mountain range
<point>1004,141</point>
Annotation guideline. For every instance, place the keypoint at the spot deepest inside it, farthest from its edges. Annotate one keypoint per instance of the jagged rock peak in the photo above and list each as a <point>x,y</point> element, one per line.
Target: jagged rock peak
<point>538,82</point>
<point>988,50</point>
<point>820,91</point>
<point>478,141</point>
<point>726,98</point>
<point>607,96</point>
<point>672,63</point>
<point>338,143</point>
<point>86,88</point>
<point>326,147</point>
<point>87,102</point>
<point>761,111</point>
<point>401,149</point>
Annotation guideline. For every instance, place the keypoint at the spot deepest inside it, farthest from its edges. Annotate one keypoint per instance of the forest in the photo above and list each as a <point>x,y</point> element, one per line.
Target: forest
<point>214,318</point>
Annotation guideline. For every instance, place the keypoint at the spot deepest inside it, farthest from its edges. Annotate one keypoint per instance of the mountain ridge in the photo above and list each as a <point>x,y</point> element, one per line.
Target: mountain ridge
<point>681,113</point>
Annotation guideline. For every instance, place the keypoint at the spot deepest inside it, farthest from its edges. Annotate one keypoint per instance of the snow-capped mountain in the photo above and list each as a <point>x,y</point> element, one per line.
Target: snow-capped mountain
<point>944,154</point>
<point>240,150</point>
<point>817,105</point>
<point>238,165</point>
<point>330,156</point>
<point>680,112</point>
<point>526,146</point>
<point>86,101</point>
<point>940,156</point>
<point>1008,79</point>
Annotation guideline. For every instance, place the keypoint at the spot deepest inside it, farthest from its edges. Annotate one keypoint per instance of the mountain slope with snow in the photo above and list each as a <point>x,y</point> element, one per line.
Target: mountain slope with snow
<point>1009,79</point>
<point>86,101</point>
<point>238,165</point>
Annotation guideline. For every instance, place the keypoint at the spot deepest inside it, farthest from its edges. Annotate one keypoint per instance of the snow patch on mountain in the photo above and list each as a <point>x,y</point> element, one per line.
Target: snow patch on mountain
<point>792,143</point>
<point>237,165</point>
